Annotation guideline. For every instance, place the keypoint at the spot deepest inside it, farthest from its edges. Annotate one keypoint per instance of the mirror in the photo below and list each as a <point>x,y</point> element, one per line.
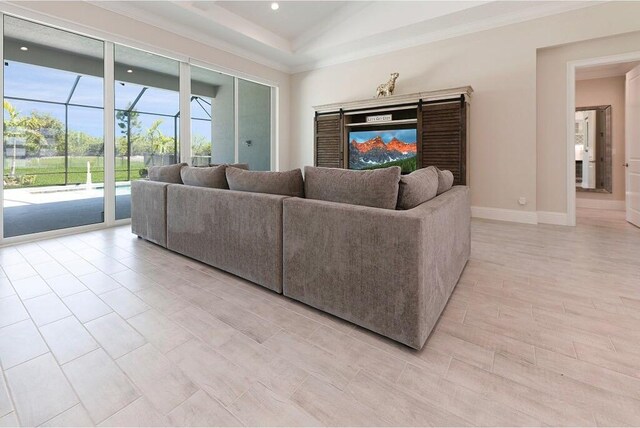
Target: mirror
<point>593,149</point>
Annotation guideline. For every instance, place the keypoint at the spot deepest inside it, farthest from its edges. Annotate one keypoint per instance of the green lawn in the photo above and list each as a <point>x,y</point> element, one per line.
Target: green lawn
<point>50,171</point>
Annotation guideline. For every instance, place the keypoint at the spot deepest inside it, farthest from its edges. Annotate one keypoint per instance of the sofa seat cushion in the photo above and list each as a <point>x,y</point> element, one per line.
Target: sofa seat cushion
<point>445,180</point>
<point>213,177</point>
<point>376,188</point>
<point>166,173</point>
<point>286,183</point>
<point>418,187</point>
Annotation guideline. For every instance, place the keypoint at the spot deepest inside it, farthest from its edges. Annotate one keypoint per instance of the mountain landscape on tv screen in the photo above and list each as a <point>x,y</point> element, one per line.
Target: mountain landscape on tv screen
<point>370,150</point>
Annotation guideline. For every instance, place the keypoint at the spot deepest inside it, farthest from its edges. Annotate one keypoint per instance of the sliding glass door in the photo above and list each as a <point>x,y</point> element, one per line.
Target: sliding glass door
<point>147,118</point>
<point>230,120</point>
<point>64,94</point>
<point>53,169</point>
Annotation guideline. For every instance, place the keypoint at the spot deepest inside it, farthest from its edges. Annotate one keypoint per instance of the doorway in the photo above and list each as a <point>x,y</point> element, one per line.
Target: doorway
<point>599,187</point>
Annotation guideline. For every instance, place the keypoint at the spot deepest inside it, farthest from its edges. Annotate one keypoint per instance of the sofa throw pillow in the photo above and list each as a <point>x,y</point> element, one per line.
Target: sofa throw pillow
<point>376,188</point>
<point>287,183</point>
<point>418,187</point>
<point>213,177</point>
<point>235,165</point>
<point>166,173</point>
<point>445,180</point>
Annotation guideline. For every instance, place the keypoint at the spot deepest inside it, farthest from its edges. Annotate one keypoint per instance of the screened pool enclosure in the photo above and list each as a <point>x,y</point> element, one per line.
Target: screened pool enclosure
<point>55,142</point>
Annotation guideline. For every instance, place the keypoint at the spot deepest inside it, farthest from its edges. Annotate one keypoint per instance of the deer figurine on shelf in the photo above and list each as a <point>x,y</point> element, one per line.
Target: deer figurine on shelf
<point>386,89</point>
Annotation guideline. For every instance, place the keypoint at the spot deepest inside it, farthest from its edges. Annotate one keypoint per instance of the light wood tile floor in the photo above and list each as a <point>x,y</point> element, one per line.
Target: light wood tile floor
<point>105,329</point>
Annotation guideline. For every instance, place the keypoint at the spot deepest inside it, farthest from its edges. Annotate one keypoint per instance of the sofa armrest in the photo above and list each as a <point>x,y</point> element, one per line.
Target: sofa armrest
<point>446,248</point>
<point>389,271</point>
<point>149,210</point>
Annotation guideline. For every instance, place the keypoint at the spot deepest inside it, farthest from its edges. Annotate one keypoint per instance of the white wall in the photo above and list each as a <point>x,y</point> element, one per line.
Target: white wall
<point>500,64</point>
<point>607,91</point>
<point>92,20</point>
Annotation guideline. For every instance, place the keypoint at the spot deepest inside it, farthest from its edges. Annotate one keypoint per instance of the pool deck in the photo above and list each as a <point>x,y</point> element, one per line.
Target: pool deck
<point>33,210</point>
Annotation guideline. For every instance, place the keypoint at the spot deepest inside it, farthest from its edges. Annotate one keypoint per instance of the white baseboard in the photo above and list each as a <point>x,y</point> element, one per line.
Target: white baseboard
<point>502,214</point>
<point>528,217</point>
<point>601,204</point>
<point>551,217</point>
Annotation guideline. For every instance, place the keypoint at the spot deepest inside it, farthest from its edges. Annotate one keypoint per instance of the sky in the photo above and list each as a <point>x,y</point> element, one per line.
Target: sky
<point>404,135</point>
<point>42,83</point>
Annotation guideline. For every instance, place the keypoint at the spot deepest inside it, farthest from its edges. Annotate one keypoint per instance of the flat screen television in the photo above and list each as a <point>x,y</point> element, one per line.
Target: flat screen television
<point>383,148</point>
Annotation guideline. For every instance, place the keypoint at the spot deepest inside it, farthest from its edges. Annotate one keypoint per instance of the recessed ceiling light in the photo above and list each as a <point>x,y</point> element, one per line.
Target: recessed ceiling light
<point>129,71</point>
<point>275,6</point>
<point>24,48</point>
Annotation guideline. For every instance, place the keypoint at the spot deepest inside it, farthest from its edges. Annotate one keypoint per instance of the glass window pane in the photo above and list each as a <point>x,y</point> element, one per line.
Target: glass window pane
<point>126,94</point>
<point>147,114</point>
<point>159,101</point>
<point>85,146</point>
<point>33,82</point>
<point>212,117</point>
<point>200,107</point>
<point>53,151</point>
<point>200,130</point>
<point>254,125</point>
<point>89,91</point>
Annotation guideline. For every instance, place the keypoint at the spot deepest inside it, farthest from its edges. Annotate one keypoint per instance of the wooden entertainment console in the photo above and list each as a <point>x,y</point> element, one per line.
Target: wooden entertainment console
<point>439,117</point>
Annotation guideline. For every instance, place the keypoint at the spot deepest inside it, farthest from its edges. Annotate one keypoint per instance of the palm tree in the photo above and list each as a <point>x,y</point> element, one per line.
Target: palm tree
<point>18,126</point>
<point>156,137</point>
<point>159,143</point>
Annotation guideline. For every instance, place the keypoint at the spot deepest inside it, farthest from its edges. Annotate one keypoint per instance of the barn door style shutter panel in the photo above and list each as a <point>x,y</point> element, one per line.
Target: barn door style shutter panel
<point>444,138</point>
<point>328,140</point>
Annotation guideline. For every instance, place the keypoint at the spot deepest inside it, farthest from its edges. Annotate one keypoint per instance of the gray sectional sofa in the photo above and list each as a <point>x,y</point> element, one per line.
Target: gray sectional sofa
<point>388,270</point>
<point>391,272</point>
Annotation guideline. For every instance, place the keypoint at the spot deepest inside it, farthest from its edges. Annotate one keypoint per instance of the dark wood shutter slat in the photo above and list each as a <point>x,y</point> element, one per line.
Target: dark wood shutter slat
<point>328,141</point>
<point>443,138</point>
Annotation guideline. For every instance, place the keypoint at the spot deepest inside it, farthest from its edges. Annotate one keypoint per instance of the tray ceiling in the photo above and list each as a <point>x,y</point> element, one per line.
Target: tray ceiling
<point>303,35</point>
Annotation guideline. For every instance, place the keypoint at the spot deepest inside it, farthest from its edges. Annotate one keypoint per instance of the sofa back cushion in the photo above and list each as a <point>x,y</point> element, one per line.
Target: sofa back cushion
<point>418,187</point>
<point>213,177</point>
<point>166,173</point>
<point>287,183</point>
<point>376,188</point>
<point>445,180</point>
<point>235,165</point>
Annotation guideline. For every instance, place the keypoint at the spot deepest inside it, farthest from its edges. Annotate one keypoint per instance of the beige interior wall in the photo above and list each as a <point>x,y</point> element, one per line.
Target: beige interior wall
<point>500,64</point>
<point>552,105</point>
<point>96,19</point>
<point>502,156</point>
<point>607,91</point>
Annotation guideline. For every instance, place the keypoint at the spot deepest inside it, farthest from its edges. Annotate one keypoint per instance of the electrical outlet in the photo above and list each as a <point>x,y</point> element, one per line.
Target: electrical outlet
<point>522,200</point>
